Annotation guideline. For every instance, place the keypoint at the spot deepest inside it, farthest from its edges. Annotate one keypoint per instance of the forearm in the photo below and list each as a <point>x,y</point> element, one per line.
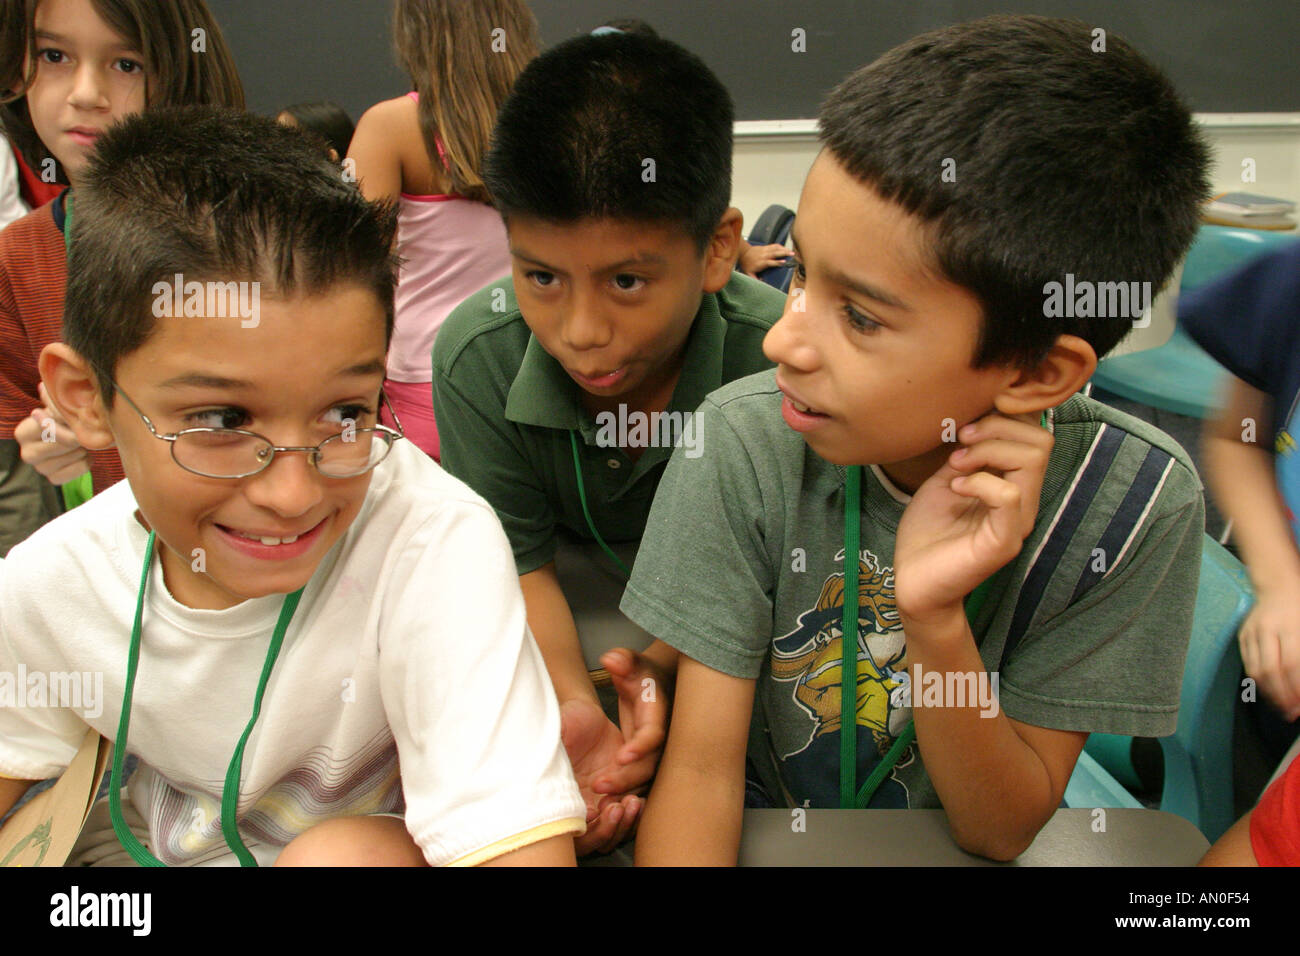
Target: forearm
<point>996,791</point>
<point>692,817</point>
<point>695,811</point>
<point>1233,848</point>
<point>551,622</point>
<point>1242,479</point>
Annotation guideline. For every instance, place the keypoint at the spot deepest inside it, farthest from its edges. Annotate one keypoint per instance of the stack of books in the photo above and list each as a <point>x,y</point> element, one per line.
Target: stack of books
<point>1250,211</point>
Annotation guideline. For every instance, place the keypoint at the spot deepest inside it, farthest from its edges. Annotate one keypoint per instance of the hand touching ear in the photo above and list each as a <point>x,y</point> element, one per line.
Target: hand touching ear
<point>48,444</point>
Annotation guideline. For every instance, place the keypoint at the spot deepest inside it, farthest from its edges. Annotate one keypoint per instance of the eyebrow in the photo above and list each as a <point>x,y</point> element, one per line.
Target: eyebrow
<point>857,285</point>
<point>641,259</point>
<point>201,380</point>
<point>60,38</point>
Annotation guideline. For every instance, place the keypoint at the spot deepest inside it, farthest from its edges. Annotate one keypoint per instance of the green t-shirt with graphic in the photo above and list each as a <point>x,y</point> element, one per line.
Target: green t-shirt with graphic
<point>742,569</point>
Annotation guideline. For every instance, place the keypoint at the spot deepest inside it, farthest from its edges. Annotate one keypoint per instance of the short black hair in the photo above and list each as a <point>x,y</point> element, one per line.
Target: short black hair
<point>1066,157</point>
<point>327,120</point>
<point>214,194</point>
<point>617,126</point>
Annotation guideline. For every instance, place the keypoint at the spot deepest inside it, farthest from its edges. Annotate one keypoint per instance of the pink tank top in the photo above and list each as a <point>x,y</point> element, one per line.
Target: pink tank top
<point>451,247</point>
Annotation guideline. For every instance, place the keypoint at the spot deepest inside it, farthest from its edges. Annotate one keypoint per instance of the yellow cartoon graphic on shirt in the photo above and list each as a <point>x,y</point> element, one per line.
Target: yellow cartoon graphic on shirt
<point>810,657</point>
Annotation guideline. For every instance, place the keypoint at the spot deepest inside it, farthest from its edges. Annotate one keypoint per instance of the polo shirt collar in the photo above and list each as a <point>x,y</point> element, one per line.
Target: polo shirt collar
<point>543,394</point>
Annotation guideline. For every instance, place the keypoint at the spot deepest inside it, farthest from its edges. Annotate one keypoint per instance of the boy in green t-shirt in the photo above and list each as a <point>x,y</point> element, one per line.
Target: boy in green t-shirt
<point>560,397</point>
<point>1027,559</point>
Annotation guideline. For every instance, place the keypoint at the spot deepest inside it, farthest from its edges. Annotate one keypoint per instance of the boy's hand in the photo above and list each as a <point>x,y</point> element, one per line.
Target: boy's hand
<point>60,460</point>
<point>1270,648</point>
<point>592,742</point>
<point>754,259</point>
<point>614,766</point>
<point>971,516</point>
<point>644,700</point>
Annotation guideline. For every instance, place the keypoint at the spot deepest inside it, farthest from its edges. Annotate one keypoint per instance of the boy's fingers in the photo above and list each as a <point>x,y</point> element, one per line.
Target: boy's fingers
<point>997,425</point>
<point>600,831</point>
<point>50,408</point>
<point>1247,640</point>
<point>1000,496</point>
<point>649,731</point>
<point>622,780</point>
<point>1000,454</point>
<point>630,810</point>
<point>1268,670</point>
<point>626,824</point>
<point>1290,655</point>
<point>996,492</point>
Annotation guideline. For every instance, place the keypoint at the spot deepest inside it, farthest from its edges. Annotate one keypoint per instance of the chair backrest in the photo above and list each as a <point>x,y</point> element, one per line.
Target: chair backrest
<point>1220,249</point>
<point>1198,757</point>
<point>774,225</point>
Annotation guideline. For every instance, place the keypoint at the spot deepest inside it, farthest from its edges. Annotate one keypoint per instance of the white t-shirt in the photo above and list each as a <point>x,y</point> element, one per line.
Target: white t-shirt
<point>11,200</point>
<point>410,642</point>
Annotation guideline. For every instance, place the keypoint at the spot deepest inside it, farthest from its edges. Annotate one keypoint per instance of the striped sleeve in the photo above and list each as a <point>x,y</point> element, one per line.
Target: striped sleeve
<point>33,270</point>
<point>1100,623</point>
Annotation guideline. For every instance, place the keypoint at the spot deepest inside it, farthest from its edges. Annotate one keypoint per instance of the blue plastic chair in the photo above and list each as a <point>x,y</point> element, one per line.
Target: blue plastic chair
<point>1198,757</point>
<point>1179,376</point>
<point>774,225</point>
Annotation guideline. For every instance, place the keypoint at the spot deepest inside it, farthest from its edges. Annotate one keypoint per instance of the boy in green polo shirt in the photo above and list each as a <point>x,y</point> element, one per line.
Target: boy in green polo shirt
<point>559,398</point>
<point>1023,560</point>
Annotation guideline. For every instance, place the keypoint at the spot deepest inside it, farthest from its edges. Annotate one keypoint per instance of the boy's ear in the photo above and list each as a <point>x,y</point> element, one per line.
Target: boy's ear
<point>1066,368</point>
<point>73,389</point>
<point>723,250</point>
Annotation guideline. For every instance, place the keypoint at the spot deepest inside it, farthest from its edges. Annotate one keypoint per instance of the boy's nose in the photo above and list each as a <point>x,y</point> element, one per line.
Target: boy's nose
<point>289,486</point>
<point>586,327</point>
<point>788,342</point>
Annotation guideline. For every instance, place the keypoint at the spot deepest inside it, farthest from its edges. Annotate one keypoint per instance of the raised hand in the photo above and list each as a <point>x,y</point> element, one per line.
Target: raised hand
<point>971,516</point>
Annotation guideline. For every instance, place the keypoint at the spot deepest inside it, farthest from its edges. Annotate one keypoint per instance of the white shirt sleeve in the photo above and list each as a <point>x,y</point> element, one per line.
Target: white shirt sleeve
<point>467,695</point>
<point>38,739</point>
<point>11,200</point>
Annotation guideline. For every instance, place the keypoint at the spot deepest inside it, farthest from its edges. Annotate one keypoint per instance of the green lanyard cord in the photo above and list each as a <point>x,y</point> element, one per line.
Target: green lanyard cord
<point>849,652</point>
<point>849,638</point>
<point>124,835</point>
<point>849,659</point>
<point>230,791</point>
<point>582,497</point>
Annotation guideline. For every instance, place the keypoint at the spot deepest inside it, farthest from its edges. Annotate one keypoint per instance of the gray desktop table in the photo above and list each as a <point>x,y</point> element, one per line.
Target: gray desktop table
<point>921,838</point>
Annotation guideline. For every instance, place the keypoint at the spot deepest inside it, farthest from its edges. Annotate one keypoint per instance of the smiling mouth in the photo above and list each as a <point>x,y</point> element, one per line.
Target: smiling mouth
<point>267,539</point>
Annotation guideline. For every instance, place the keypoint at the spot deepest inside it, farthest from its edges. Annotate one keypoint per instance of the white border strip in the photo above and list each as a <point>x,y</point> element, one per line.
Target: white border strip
<point>768,129</point>
<point>807,128</point>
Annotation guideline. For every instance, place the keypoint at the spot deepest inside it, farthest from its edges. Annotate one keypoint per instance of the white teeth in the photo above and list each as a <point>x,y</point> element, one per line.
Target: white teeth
<point>267,541</point>
<point>802,408</point>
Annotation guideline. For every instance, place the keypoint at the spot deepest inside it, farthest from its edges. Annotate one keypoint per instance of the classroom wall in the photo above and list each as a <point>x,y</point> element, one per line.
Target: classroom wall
<point>771,160</point>
<point>770,165</point>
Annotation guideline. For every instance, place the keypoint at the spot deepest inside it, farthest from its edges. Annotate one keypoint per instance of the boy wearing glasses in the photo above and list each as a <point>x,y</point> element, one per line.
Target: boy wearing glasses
<point>269,526</point>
